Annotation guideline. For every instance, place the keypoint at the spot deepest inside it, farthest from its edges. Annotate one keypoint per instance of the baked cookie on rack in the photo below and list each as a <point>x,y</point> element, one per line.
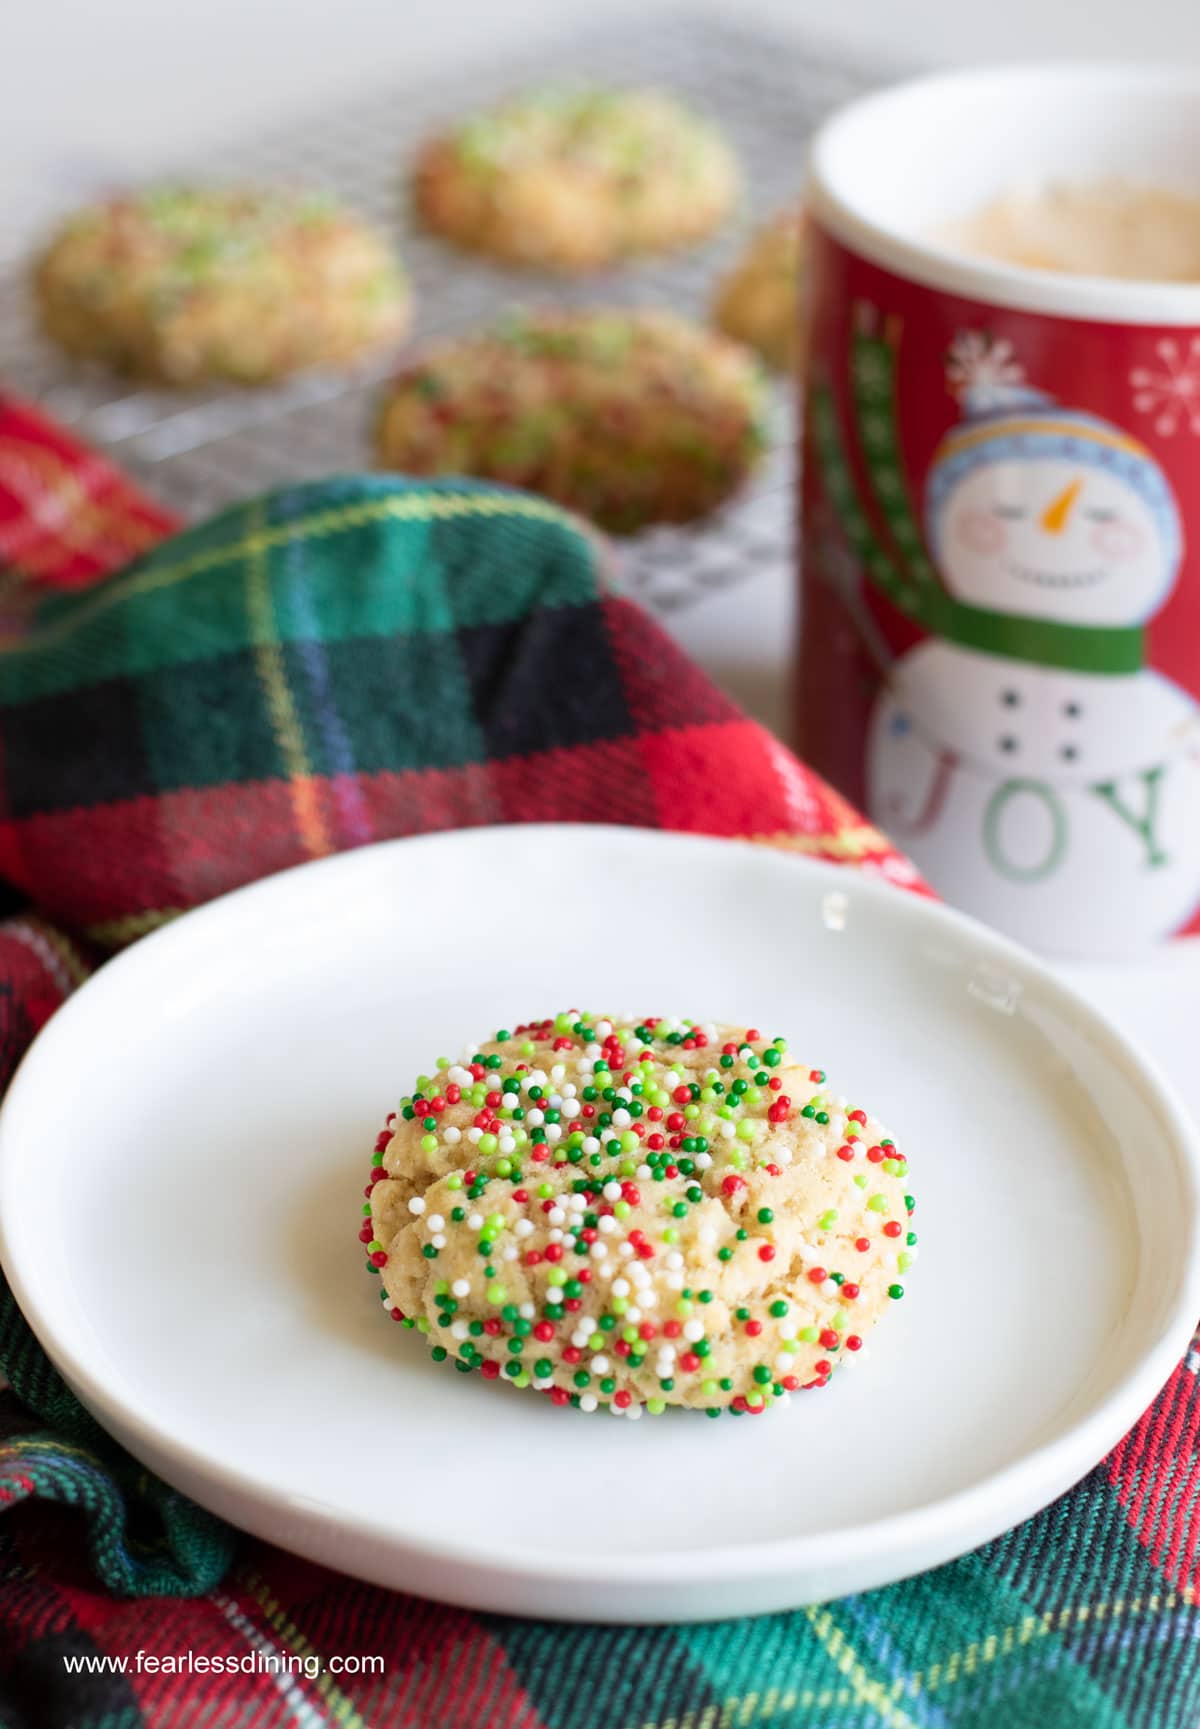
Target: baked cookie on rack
<point>627,417</point>
<point>186,284</point>
<point>575,179</point>
<point>630,1214</point>
<point>758,302</point>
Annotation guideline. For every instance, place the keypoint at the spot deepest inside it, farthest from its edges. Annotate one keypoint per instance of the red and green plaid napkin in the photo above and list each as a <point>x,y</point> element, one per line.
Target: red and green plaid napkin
<point>328,666</point>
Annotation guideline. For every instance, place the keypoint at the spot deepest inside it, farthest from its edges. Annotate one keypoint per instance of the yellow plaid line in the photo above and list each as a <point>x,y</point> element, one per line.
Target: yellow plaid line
<point>115,933</point>
<point>851,843</point>
<point>335,1701</point>
<point>411,507</point>
<point>268,655</point>
<point>741,1710</point>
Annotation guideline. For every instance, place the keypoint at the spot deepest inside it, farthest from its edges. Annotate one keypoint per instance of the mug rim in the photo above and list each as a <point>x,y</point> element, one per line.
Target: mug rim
<point>1118,300</point>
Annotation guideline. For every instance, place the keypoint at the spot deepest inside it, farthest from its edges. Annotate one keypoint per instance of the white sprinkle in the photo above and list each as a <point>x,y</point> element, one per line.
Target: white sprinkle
<point>439,1242</point>
<point>611,1191</point>
<point>633,1314</point>
<point>569,1090</point>
<point>579,1338</point>
<point>671,1080</point>
<point>474,1221</point>
<point>416,1205</point>
<point>603,1028</point>
<point>558,1072</point>
<point>461,1288</point>
<point>509,1252</point>
<point>633,1413</point>
<point>436,1222</point>
<point>598,1251</point>
<point>648,1297</point>
<point>829,1288</point>
<point>703,1161</point>
<point>459,1329</point>
<point>588,1402</point>
<point>674,1281</point>
<point>625,1093</point>
<point>527,1311</point>
<point>638,1274</point>
<point>452,1136</point>
<point>474,1136</point>
<point>523,1228</point>
<point>708,1233</point>
<point>644,1173</point>
<point>592,1051</point>
<point>621,1119</point>
<point>570,1109</point>
<point>606,1223</point>
<point>693,1330</point>
<point>587,1325</point>
<point>553,1133</point>
<point>535,1118</point>
<point>600,1363</point>
<point>674,1260</point>
<point>621,1287</point>
<point>461,1077</point>
<point>784,1361</point>
<point>556,1216</point>
<point>591,1144</point>
<point>577,1204</point>
<point>726,1129</point>
<point>625,1250</point>
<point>507,1144</point>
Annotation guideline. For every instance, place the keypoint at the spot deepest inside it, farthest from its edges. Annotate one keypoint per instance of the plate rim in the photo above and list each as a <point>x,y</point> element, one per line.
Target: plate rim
<point>980,1511</point>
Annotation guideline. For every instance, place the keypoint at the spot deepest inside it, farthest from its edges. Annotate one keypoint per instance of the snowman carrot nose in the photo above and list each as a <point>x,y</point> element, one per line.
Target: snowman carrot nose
<point>1054,517</point>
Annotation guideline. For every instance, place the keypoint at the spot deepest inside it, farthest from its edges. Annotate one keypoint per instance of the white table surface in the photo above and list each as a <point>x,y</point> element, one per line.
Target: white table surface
<point>88,86</point>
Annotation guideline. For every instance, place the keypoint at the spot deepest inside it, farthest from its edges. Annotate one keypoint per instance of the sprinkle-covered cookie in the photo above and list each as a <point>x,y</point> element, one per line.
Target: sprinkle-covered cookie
<point>628,418</point>
<point>575,179</point>
<point>185,284</point>
<point>758,301</point>
<point>635,1214</point>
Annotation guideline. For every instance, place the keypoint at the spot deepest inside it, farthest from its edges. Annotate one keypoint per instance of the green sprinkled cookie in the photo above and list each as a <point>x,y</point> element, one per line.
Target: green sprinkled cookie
<point>758,302</point>
<point>185,284</point>
<point>634,1214</point>
<point>572,179</point>
<point>629,418</point>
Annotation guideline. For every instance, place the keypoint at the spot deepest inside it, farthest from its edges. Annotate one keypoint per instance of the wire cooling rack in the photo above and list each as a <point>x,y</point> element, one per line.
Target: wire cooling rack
<point>201,450</point>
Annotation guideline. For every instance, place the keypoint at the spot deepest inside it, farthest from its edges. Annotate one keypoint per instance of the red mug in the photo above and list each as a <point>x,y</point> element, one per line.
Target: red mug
<point>1000,653</point>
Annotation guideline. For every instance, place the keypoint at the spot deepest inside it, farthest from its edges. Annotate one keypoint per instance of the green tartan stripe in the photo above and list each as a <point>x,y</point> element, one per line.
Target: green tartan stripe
<point>399,573</point>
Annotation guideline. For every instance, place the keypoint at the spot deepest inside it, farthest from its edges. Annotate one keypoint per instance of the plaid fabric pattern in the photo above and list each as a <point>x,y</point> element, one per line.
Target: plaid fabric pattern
<point>368,658</point>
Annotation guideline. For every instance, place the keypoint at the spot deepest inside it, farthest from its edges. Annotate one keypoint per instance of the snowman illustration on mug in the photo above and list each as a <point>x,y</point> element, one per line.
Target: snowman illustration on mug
<point>1024,754</point>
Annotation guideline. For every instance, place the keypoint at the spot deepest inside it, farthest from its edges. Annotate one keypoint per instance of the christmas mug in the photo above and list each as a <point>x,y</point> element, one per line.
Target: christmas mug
<point>1000,654</point>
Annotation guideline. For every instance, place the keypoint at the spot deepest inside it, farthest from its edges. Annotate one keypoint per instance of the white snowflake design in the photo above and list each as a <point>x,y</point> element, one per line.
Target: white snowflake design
<point>1170,392</point>
<point>983,367</point>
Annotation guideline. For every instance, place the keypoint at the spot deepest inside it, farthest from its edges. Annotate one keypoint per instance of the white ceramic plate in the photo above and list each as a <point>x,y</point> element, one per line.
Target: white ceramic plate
<point>181,1166</point>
